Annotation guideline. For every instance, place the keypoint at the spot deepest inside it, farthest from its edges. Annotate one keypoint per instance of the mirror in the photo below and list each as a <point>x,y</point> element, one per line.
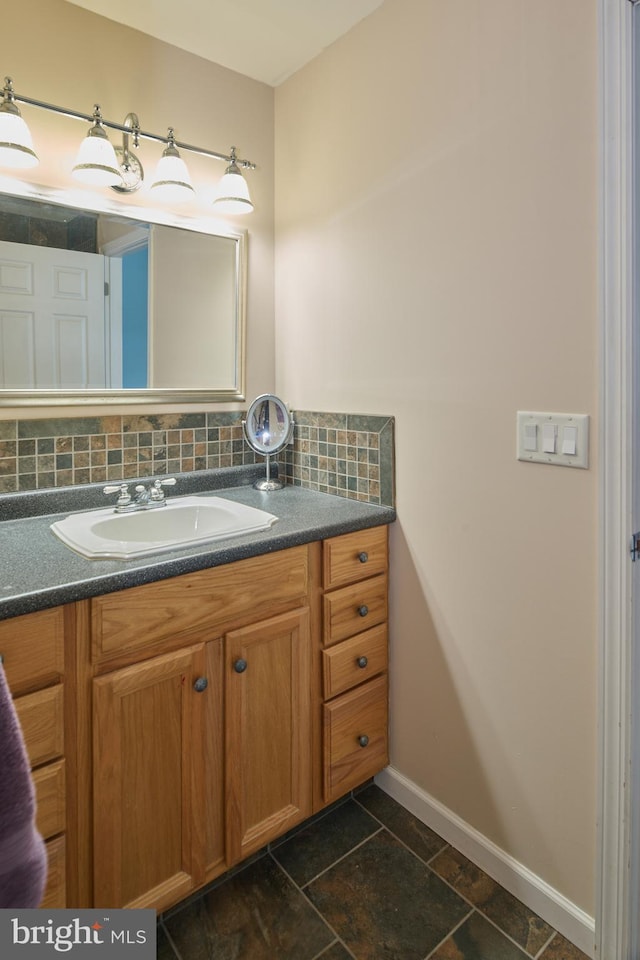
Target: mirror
<point>101,307</point>
<point>268,429</point>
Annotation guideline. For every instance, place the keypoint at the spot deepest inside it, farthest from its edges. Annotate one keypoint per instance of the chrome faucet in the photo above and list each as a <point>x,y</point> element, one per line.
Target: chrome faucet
<point>146,498</point>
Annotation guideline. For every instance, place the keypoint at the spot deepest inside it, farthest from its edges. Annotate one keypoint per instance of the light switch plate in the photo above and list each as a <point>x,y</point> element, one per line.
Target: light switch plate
<point>578,422</point>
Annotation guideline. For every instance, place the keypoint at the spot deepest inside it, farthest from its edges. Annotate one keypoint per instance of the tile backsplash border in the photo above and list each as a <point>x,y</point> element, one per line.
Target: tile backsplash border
<point>344,454</point>
<point>347,455</point>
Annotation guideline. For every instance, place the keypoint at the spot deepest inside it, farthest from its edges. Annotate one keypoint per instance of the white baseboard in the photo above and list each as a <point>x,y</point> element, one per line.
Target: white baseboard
<point>563,915</point>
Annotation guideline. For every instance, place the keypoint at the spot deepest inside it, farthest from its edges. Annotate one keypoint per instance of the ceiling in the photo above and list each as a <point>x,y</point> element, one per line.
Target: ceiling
<point>267,40</point>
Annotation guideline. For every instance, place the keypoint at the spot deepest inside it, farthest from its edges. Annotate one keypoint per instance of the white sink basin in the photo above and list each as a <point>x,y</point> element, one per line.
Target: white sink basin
<point>104,534</point>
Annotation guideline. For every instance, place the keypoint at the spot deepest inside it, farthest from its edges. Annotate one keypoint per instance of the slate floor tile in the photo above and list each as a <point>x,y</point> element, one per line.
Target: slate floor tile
<point>384,903</point>
<point>336,952</point>
<point>323,842</point>
<point>561,949</point>
<point>521,924</point>
<point>164,950</point>
<point>399,821</point>
<point>257,915</point>
<point>477,939</point>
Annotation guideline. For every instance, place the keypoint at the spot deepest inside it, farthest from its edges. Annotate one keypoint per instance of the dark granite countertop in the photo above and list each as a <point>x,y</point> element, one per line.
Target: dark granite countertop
<point>37,570</point>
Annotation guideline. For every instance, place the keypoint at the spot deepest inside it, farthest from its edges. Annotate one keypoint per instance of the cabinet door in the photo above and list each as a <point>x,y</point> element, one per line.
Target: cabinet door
<point>268,730</point>
<point>149,781</point>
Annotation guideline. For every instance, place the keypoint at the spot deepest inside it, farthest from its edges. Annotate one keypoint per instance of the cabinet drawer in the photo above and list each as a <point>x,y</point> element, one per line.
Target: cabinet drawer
<point>353,661</point>
<point>49,782</point>
<point>193,606</point>
<point>354,608</point>
<point>55,894</point>
<point>361,713</point>
<point>354,556</point>
<point>41,718</point>
<point>32,649</point>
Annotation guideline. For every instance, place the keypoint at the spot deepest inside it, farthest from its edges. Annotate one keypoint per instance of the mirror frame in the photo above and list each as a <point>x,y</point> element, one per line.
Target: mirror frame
<point>94,203</point>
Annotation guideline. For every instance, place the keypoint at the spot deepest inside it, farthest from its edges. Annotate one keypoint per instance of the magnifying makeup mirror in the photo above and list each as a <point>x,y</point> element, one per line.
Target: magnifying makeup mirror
<point>267,429</point>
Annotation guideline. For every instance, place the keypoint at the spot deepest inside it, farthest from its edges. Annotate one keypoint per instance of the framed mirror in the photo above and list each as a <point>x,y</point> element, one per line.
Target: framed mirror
<point>100,306</point>
<point>268,429</point>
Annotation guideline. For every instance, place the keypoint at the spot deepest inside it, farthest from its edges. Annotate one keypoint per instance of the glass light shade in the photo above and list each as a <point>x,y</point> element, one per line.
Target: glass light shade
<point>172,182</point>
<point>16,145</point>
<point>232,195</point>
<point>96,162</point>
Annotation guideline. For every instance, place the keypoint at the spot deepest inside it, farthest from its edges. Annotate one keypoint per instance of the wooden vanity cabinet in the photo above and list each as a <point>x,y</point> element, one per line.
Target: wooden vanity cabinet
<point>268,730</point>
<point>354,660</point>
<point>149,781</point>
<point>33,655</point>
<point>201,743</point>
<point>177,727</point>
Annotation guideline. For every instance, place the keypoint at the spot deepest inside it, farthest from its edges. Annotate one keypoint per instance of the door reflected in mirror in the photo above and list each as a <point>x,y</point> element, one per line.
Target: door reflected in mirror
<point>94,304</point>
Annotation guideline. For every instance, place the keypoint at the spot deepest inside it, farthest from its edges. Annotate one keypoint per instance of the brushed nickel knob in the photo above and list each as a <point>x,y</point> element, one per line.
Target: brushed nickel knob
<point>363,740</point>
<point>240,665</point>
<point>363,557</point>
<point>201,684</point>
<point>362,662</point>
<point>363,610</point>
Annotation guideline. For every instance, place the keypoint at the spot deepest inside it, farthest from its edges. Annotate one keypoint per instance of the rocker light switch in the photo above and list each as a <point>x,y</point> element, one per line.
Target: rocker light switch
<point>530,436</point>
<point>549,431</point>
<point>569,438</point>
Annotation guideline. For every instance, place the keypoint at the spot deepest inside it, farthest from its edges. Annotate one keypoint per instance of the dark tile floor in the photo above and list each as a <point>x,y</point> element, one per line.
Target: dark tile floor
<point>365,880</point>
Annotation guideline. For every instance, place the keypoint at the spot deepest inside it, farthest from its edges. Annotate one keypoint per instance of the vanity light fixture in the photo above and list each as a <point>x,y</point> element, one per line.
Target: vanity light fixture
<point>102,164</point>
<point>172,181</point>
<point>96,162</point>
<point>233,193</point>
<point>16,145</point>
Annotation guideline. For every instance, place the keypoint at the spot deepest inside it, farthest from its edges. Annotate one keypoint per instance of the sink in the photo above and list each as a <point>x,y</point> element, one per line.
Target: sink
<point>183,521</point>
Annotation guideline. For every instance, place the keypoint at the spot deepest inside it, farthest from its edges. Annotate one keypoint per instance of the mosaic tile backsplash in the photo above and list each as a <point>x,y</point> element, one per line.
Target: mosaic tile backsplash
<point>343,454</point>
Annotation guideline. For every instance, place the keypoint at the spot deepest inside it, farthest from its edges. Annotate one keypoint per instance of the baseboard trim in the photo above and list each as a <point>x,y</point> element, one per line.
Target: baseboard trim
<point>563,915</point>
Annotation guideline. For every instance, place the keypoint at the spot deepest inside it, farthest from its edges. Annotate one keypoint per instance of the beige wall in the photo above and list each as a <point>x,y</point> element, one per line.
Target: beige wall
<point>65,55</point>
<point>436,260</point>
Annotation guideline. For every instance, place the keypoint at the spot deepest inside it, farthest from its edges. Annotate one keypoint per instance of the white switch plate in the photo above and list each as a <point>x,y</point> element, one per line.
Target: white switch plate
<point>577,421</point>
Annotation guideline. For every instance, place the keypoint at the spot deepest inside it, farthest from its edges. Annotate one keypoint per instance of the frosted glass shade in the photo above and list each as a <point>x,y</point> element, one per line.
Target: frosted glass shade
<point>16,145</point>
<point>172,182</point>
<point>96,162</point>
<point>232,195</point>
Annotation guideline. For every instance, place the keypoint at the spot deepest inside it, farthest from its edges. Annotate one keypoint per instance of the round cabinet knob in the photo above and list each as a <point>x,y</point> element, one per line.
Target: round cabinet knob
<point>363,610</point>
<point>363,557</point>
<point>362,662</point>
<point>363,740</point>
<point>240,666</point>
<point>201,684</point>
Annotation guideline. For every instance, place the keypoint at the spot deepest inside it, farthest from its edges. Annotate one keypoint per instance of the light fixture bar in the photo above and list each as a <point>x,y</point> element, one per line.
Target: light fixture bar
<point>122,128</point>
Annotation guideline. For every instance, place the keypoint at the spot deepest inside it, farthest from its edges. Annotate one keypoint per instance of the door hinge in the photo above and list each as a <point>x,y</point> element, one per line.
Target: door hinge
<point>634,548</point>
<point>106,288</point>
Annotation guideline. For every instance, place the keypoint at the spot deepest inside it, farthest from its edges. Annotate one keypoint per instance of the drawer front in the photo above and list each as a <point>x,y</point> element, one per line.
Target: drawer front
<point>195,604</point>
<point>55,894</point>
<point>361,713</point>
<point>42,721</point>
<point>354,556</point>
<point>354,609</point>
<point>49,782</point>
<point>354,661</point>
<point>32,649</point>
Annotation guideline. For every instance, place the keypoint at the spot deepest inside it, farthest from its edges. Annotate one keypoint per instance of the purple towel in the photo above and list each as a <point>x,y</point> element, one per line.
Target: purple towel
<point>23,857</point>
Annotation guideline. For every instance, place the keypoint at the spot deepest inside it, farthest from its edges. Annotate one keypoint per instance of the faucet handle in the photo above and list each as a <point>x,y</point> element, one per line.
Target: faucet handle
<point>120,488</point>
<point>157,493</point>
